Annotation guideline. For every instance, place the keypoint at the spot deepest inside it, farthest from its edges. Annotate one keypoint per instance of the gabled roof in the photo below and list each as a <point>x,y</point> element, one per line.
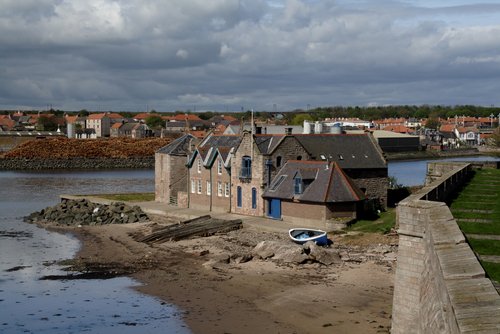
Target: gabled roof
<point>447,128</point>
<point>144,115</point>
<point>213,145</point>
<point>325,183</point>
<point>350,151</point>
<point>267,143</point>
<point>179,146</point>
<point>116,125</point>
<point>114,115</point>
<point>183,117</point>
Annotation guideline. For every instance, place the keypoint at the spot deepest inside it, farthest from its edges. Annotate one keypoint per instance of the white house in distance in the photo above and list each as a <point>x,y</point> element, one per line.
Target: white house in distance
<point>100,123</point>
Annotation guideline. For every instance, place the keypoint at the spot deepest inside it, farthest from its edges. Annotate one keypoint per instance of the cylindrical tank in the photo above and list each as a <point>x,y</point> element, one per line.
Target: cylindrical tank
<point>307,127</point>
<point>336,129</point>
<point>318,127</point>
<point>71,130</point>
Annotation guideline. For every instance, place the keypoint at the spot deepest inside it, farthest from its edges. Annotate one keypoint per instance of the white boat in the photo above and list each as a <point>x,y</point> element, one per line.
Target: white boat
<point>303,235</point>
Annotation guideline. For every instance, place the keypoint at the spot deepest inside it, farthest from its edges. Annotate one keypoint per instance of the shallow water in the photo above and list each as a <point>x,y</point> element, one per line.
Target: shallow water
<point>30,305</point>
<point>412,172</point>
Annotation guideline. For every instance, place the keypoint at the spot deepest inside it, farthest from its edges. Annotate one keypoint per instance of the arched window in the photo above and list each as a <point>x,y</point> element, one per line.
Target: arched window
<point>238,197</point>
<point>246,167</point>
<point>278,162</point>
<point>254,198</point>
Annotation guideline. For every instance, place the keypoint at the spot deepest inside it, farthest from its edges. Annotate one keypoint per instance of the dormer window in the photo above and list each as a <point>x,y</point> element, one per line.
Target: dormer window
<point>299,187</point>
<point>246,168</point>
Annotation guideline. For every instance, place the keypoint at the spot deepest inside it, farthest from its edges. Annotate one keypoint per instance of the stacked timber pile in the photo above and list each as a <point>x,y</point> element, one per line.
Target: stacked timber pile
<point>202,226</point>
<point>82,212</point>
<point>63,148</point>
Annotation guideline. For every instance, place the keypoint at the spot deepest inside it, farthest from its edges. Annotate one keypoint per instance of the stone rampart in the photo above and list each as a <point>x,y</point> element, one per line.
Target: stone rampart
<point>440,286</point>
<point>75,163</point>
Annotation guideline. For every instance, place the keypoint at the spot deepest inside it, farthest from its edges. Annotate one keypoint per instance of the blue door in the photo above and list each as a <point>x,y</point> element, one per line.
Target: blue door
<point>274,210</point>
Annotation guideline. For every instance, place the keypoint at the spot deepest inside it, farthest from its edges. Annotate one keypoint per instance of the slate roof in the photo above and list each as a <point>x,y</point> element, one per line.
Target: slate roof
<point>179,146</point>
<point>209,147</point>
<point>350,151</point>
<point>267,143</point>
<point>326,183</point>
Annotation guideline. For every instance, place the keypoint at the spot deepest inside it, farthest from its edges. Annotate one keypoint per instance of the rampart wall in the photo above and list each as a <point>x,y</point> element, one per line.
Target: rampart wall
<point>440,286</point>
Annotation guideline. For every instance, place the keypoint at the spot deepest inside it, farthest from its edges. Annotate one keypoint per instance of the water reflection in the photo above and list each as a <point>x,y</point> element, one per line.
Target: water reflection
<point>98,306</point>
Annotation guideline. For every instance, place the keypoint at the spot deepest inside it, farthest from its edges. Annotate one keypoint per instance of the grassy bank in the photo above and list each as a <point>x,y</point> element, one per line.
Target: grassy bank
<point>477,210</point>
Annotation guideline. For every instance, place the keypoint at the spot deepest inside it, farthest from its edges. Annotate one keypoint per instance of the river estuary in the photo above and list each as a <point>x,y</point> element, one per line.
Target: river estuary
<point>31,305</point>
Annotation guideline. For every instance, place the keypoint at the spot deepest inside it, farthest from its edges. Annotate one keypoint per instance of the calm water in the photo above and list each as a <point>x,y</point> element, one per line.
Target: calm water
<point>412,172</point>
<point>30,305</point>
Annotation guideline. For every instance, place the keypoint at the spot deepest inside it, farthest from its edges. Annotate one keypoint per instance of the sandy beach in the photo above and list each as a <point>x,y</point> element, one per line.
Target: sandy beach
<point>217,292</point>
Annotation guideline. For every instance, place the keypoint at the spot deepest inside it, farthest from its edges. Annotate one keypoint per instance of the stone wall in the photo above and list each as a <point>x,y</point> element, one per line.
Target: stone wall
<point>375,183</point>
<point>75,163</point>
<point>440,286</point>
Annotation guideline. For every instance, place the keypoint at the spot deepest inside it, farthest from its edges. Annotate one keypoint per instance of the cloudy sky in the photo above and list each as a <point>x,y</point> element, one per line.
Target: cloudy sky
<point>262,54</point>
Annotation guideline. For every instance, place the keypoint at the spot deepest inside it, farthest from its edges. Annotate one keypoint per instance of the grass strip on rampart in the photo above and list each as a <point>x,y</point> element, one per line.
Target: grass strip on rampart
<point>132,197</point>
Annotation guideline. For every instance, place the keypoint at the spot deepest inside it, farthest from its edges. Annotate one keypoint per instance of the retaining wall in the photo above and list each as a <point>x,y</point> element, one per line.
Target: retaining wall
<point>440,286</point>
<point>75,163</point>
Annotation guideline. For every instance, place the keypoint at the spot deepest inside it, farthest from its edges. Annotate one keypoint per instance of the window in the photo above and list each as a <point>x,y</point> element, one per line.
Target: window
<point>254,198</point>
<point>298,186</point>
<point>209,188</point>
<point>238,197</point>
<point>278,161</point>
<point>226,189</point>
<point>219,166</point>
<point>299,157</point>
<point>199,186</point>
<point>219,188</point>
<point>246,167</point>
<point>277,183</point>
<point>199,165</point>
<point>193,186</point>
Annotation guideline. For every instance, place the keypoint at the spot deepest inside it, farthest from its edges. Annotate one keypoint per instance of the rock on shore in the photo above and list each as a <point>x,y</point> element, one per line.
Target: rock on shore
<point>82,212</point>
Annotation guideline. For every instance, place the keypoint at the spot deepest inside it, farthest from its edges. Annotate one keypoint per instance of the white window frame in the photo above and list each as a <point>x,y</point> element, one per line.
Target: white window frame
<point>193,186</point>
<point>219,188</point>
<point>209,188</point>
<point>199,165</point>
<point>199,187</point>
<point>226,189</point>
<point>219,166</point>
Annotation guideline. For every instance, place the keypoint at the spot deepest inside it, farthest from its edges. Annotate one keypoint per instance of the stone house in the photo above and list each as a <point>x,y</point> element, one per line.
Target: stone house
<point>134,130</point>
<point>243,166</point>
<point>312,192</point>
<point>256,161</point>
<point>359,156</point>
<point>209,173</point>
<point>171,172</point>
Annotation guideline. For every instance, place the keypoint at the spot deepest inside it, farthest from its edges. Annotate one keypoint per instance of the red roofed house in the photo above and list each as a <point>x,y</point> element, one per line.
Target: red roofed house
<point>100,123</point>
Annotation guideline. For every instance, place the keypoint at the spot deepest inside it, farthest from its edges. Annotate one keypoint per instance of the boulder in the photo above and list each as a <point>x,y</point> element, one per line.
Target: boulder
<point>326,256</point>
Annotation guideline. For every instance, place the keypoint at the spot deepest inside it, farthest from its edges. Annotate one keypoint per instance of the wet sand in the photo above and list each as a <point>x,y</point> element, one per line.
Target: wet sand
<point>256,296</point>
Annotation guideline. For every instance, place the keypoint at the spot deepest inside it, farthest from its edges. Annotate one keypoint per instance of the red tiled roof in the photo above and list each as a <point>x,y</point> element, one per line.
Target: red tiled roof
<point>71,119</point>
<point>397,128</point>
<point>114,115</point>
<point>447,128</point>
<point>96,116</point>
<point>116,126</point>
<point>183,117</point>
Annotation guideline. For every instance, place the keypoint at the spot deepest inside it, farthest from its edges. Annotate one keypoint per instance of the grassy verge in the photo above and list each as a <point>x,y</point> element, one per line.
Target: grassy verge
<point>382,224</point>
<point>133,197</point>
<point>493,270</point>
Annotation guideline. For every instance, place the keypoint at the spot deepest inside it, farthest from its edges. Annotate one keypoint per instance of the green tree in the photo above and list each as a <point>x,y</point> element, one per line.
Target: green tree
<point>45,123</point>
<point>155,122</point>
<point>300,118</point>
<point>83,113</point>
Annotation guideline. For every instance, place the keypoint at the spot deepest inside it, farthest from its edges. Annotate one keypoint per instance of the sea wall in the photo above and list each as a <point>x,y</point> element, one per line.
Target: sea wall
<point>440,286</point>
<point>75,163</point>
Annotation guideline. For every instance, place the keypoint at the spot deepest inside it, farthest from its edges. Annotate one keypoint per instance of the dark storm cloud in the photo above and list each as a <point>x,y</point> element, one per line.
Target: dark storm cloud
<point>178,54</point>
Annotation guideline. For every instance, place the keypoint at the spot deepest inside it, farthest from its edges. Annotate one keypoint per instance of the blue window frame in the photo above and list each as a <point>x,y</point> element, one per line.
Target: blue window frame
<point>246,167</point>
<point>298,186</point>
<point>254,198</point>
<point>238,197</point>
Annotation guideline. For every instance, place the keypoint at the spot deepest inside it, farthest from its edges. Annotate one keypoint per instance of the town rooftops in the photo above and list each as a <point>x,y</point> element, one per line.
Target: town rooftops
<point>318,181</point>
<point>350,151</point>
